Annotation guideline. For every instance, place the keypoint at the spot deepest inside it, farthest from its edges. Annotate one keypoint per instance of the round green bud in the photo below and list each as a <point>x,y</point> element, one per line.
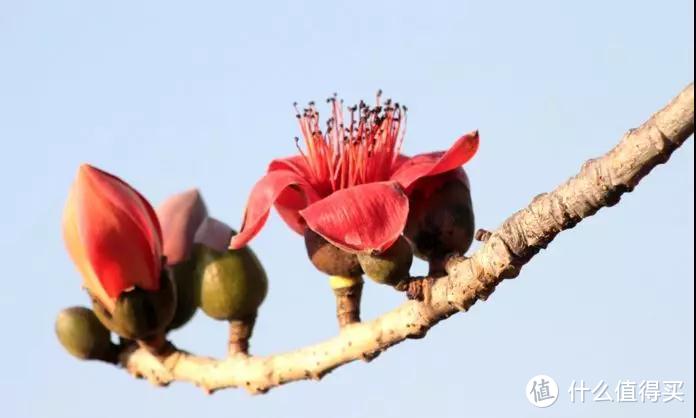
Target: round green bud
<point>139,314</point>
<point>233,283</point>
<point>184,276</point>
<point>330,259</point>
<point>390,267</point>
<point>441,219</point>
<point>82,335</point>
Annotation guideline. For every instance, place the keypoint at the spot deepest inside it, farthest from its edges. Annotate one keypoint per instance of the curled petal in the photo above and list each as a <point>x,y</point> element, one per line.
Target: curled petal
<point>289,205</point>
<point>180,216</point>
<point>364,218</point>
<point>432,164</point>
<point>426,186</point>
<point>292,200</point>
<point>297,164</point>
<point>264,194</point>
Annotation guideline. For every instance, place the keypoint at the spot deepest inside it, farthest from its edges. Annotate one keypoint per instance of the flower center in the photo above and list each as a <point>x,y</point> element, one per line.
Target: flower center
<point>362,149</point>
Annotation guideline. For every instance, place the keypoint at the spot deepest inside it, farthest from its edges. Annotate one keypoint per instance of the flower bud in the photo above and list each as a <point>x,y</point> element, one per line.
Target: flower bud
<point>390,267</point>
<point>330,259</point>
<point>233,283</point>
<point>112,235</point>
<point>140,314</point>
<point>82,335</point>
<point>441,220</point>
<point>180,216</point>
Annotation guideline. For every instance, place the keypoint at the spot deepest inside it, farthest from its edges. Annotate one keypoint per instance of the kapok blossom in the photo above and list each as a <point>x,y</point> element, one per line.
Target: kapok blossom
<point>113,236</point>
<point>351,183</point>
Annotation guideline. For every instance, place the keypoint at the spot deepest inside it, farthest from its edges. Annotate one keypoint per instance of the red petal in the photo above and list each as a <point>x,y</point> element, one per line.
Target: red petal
<point>264,194</point>
<point>426,186</point>
<point>131,201</point>
<point>289,205</point>
<point>435,163</point>
<point>119,232</point>
<point>292,201</point>
<point>78,252</point>
<point>150,223</point>
<point>296,164</point>
<point>364,218</point>
<point>401,159</point>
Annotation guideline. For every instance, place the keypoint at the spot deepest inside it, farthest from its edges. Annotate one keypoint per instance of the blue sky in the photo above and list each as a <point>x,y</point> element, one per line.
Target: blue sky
<point>171,95</point>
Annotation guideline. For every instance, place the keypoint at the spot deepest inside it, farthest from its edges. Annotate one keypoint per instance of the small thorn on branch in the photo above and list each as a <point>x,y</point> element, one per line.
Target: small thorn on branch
<point>418,288</point>
<point>483,235</point>
<point>369,356</point>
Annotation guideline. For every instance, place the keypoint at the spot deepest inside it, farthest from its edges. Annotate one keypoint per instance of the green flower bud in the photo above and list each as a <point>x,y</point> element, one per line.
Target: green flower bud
<point>390,267</point>
<point>82,335</point>
<point>139,314</point>
<point>330,259</point>
<point>232,283</point>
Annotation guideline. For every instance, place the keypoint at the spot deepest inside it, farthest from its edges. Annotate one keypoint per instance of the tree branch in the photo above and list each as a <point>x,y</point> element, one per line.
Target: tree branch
<point>600,183</point>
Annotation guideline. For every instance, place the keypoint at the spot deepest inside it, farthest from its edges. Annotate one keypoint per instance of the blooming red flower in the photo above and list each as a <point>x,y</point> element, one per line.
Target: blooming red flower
<point>112,235</point>
<point>351,183</point>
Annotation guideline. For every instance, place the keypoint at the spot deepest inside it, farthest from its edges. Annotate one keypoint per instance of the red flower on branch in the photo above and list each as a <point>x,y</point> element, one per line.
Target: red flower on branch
<point>350,184</point>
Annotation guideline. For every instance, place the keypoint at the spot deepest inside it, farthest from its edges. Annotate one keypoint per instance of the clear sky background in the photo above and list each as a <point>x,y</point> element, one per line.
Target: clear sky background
<point>171,95</point>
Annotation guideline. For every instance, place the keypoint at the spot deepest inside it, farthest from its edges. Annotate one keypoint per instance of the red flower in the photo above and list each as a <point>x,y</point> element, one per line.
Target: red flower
<point>350,184</point>
<point>112,235</point>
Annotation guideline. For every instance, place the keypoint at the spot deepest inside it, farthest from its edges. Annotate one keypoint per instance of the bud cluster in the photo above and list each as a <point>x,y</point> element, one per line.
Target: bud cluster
<point>147,272</point>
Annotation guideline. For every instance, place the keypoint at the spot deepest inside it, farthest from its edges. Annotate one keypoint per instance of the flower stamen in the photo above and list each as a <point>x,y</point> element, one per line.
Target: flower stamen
<point>362,152</point>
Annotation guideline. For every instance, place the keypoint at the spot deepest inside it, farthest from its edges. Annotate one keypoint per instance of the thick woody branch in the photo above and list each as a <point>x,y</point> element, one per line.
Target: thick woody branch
<point>600,183</point>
